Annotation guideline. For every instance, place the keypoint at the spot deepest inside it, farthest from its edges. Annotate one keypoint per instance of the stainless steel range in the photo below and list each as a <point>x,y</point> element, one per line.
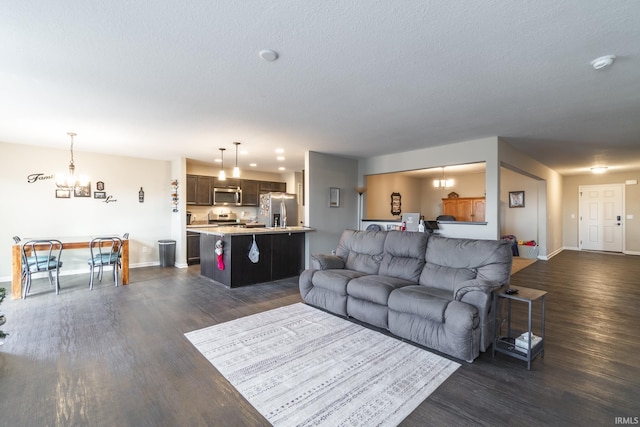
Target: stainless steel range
<point>225,218</point>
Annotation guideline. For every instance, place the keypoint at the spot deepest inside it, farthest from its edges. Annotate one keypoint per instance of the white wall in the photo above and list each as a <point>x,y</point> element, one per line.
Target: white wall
<point>632,206</point>
<point>549,196</point>
<point>520,222</point>
<point>31,210</point>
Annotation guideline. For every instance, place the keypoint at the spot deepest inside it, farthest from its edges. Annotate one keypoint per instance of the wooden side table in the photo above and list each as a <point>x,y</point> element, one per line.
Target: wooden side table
<point>506,344</point>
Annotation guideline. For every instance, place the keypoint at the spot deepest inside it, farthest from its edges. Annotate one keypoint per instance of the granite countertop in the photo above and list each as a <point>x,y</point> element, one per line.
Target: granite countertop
<point>238,231</point>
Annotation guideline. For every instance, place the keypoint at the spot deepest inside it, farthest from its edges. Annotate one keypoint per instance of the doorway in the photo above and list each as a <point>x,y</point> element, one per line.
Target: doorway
<point>601,213</point>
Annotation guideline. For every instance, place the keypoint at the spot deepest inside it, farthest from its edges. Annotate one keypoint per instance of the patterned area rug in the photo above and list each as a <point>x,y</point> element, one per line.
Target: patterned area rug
<point>298,365</point>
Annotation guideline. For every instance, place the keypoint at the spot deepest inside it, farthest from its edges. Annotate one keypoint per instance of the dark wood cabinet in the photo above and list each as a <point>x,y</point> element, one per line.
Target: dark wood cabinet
<point>269,186</point>
<point>193,248</point>
<point>227,183</point>
<point>199,190</point>
<point>249,192</point>
<point>281,256</point>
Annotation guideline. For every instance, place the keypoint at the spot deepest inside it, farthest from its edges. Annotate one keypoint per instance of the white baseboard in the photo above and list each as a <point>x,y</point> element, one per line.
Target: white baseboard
<point>571,248</point>
<point>67,272</point>
<point>632,252</point>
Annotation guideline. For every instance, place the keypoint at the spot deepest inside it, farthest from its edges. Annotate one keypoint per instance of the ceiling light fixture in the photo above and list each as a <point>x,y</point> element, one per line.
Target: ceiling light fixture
<point>268,55</point>
<point>443,182</point>
<point>236,169</point>
<point>599,169</point>
<point>70,181</point>
<point>603,62</point>
<point>221,175</point>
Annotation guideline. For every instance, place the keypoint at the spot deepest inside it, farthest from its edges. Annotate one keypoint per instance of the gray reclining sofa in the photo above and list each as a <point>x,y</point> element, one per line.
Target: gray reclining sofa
<point>432,290</point>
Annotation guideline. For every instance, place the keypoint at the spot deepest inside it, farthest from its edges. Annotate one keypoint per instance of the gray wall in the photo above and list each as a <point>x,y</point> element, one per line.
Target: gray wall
<point>323,172</point>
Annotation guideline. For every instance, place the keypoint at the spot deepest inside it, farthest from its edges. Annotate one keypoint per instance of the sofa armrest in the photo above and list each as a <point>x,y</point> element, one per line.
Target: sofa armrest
<point>326,262</point>
<point>479,293</point>
<point>482,286</point>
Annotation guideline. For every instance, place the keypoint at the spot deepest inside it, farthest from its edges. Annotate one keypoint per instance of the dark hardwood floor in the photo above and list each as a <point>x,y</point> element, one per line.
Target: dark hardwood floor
<point>118,357</point>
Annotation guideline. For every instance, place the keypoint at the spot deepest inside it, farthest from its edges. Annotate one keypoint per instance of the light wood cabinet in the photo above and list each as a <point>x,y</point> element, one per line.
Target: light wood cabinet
<point>466,209</point>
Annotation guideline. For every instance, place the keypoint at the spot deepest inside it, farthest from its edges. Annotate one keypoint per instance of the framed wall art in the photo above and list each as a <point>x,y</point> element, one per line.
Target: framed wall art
<point>516,199</point>
<point>99,194</point>
<point>82,191</point>
<point>334,197</point>
<point>396,204</point>
<point>63,194</point>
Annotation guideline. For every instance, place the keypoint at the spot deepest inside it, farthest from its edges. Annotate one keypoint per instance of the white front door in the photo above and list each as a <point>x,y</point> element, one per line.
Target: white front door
<point>601,217</point>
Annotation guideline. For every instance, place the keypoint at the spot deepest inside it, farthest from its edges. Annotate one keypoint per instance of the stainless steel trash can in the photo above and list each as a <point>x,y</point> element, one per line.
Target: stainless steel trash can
<point>167,253</point>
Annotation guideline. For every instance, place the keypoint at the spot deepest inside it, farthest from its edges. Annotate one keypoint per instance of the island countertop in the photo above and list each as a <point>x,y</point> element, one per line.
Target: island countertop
<point>242,231</point>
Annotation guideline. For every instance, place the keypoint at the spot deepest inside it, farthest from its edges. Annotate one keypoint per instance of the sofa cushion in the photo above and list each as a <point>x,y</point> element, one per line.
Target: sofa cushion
<point>404,255</point>
<point>451,261</point>
<point>362,250</point>
<point>334,280</point>
<point>375,288</point>
<point>416,300</point>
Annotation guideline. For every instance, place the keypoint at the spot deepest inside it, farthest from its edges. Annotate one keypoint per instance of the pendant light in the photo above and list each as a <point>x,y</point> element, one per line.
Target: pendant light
<point>443,182</point>
<point>221,175</point>
<point>236,169</point>
<point>69,181</point>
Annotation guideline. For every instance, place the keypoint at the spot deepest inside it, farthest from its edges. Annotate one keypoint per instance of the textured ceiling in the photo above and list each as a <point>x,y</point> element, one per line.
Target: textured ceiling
<point>168,78</point>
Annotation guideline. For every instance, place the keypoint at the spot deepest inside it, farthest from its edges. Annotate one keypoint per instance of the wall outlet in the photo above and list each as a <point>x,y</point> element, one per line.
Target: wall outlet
<point>145,249</point>
<point>629,216</point>
<point>333,252</point>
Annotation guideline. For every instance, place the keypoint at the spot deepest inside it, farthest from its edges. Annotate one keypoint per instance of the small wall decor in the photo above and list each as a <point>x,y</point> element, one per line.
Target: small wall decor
<point>100,186</point>
<point>34,177</point>
<point>334,197</point>
<point>174,194</point>
<point>396,204</point>
<point>141,195</point>
<point>99,194</point>
<point>82,191</point>
<point>63,194</point>
<point>516,199</point>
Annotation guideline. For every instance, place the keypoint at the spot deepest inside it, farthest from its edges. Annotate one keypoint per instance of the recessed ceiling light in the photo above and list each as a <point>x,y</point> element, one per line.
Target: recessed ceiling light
<point>253,165</point>
<point>244,152</point>
<point>268,55</point>
<point>603,62</point>
<point>281,168</point>
<point>280,158</point>
<point>279,150</point>
<point>599,169</point>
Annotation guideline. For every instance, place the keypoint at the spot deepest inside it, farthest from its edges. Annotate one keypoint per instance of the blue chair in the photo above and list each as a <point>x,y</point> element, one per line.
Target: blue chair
<point>105,252</point>
<point>38,257</point>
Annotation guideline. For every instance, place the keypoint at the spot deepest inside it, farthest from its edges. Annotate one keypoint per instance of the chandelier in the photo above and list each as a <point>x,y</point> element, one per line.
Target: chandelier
<point>69,181</point>
<point>443,182</point>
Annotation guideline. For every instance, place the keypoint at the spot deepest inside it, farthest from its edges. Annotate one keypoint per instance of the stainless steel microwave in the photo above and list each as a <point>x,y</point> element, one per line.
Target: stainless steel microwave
<point>227,197</point>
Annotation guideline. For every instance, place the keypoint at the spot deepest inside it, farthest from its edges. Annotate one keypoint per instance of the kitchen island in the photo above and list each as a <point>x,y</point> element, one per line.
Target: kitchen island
<point>281,253</point>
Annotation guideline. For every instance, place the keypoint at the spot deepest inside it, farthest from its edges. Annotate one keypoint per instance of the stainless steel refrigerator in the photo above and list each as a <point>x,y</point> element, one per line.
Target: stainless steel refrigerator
<point>278,210</point>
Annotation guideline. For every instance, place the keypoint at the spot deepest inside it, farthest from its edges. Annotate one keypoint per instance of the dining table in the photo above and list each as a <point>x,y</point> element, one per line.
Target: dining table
<point>68,243</point>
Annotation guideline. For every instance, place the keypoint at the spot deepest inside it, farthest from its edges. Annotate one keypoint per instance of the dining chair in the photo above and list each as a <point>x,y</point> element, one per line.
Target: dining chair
<point>38,257</point>
<point>105,252</point>
<point>125,236</point>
